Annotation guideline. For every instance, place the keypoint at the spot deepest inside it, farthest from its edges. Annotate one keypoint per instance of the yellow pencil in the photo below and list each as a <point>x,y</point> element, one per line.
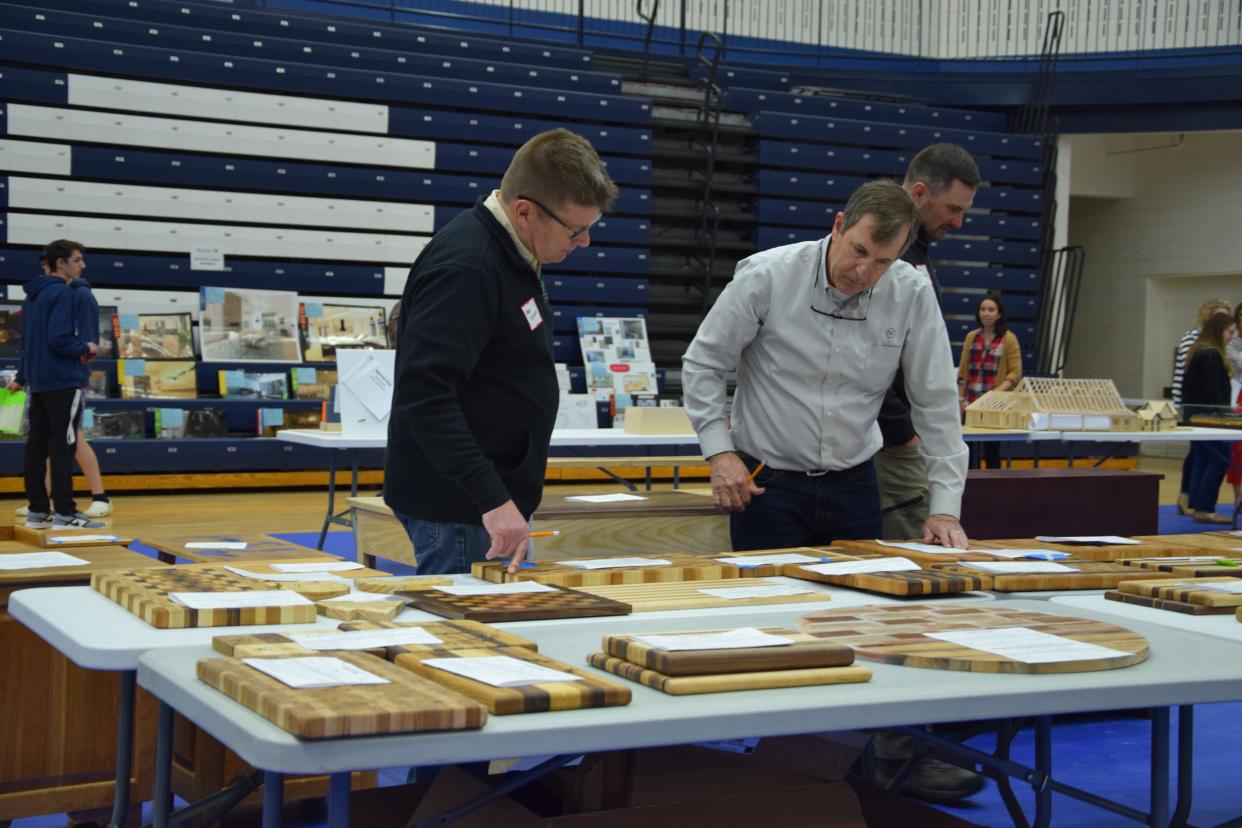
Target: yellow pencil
<point>755,473</point>
<point>551,533</point>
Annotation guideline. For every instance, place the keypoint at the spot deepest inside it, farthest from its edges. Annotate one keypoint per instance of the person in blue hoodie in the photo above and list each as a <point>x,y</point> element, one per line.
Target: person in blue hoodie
<point>50,369</point>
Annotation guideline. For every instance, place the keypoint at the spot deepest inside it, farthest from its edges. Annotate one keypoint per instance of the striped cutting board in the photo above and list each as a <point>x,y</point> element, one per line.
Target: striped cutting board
<point>684,595</point>
<point>1186,590</point>
<point>977,552</point>
<point>1085,575</point>
<point>807,651</point>
<point>680,567</point>
<point>728,682</point>
<point>912,583</point>
<point>452,635</point>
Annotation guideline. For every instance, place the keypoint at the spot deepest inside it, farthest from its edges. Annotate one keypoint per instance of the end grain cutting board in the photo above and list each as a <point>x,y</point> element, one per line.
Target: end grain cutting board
<point>147,595</point>
<point>680,567</point>
<point>515,606</point>
<point>408,704</point>
<point>897,635</point>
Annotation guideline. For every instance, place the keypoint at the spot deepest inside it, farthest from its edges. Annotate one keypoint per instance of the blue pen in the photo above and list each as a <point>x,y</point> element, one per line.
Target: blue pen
<point>528,564</point>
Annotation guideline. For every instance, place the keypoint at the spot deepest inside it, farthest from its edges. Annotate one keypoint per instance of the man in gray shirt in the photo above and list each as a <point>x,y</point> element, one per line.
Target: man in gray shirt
<point>816,332</point>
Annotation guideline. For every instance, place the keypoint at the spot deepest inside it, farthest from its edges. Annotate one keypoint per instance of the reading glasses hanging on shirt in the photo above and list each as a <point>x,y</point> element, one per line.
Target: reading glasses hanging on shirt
<point>854,308</point>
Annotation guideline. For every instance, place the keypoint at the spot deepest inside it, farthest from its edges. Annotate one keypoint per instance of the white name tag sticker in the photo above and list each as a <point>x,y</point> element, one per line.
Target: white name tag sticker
<point>531,311</point>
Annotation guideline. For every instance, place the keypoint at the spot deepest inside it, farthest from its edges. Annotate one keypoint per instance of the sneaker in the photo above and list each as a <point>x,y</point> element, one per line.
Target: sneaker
<point>74,521</point>
<point>933,780</point>
<point>98,509</point>
<point>38,520</point>
<point>22,511</point>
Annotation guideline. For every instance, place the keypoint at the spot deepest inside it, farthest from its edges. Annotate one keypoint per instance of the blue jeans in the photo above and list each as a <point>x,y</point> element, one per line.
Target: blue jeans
<point>1210,462</point>
<point>445,548</point>
<point>797,510</point>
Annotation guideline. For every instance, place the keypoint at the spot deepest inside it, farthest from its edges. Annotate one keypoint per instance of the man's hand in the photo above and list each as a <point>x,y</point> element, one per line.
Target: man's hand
<point>509,532</point>
<point>92,350</point>
<point>14,386</point>
<point>732,487</point>
<point>913,442</point>
<point>945,530</point>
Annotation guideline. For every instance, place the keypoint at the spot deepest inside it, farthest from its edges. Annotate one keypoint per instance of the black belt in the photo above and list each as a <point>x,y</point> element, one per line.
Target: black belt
<point>752,461</point>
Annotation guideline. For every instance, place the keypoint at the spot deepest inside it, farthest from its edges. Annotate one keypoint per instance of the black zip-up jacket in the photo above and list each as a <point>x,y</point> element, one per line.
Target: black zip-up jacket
<point>475,394</point>
<point>1205,388</point>
<point>894,419</point>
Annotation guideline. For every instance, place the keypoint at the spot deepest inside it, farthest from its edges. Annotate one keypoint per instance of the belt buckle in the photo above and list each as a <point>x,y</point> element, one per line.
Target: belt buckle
<point>816,472</point>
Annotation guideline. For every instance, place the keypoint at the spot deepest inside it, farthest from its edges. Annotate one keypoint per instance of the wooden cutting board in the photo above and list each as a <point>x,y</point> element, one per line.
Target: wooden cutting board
<point>391,585</point>
<point>1086,575</point>
<point>1189,591</point>
<point>588,691</point>
<point>98,559</point>
<point>681,567</point>
<point>65,539</point>
<point>1239,614</point>
<point>145,593</point>
<point>361,610</point>
<point>1153,546</point>
<point>921,582</point>
<point>1187,567</point>
<point>259,548</point>
<point>261,568</point>
<point>822,554</point>
<point>408,704</point>
<point>808,651</point>
<point>314,590</point>
<point>897,635</point>
<point>1222,544</point>
<point>453,635</point>
<point>517,606</point>
<point>977,552</point>
<point>683,595</point>
<point>1165,604</point>
<point>728,682</point>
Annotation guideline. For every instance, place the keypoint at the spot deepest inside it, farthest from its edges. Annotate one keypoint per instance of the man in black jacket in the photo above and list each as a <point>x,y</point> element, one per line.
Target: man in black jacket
<point>942,180</point>
<point>475,395</point>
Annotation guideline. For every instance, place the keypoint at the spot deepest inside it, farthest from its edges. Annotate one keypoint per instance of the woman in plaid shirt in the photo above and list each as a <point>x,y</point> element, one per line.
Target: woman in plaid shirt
<point>991,360</point>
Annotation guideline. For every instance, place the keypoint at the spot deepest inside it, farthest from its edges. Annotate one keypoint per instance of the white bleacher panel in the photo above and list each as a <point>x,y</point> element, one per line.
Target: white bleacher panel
<point>46,194</point>
<point>232,139</point>
<point>225,104</point>
<point>236,240</point>
<point>34,157</point>
<point>146,301</point>
<point>394,280</point>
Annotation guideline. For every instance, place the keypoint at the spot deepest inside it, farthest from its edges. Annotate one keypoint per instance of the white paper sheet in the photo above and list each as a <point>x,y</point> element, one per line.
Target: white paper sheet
<point>1016,567</point>
<point>760,560</point>
<point>370,383</point>
<point>1026,645</point>
<point>605,498</point>
<point>287,578</point>
<point>861,567</point>
<point>763,591</point>
<point>1092,539</point>
<point>38,560</point>
<point>306,672</point>
<point>82,538</point>
<point>614,563</point>
<point>1042,554</point>
<point>216,545</point>
<point>928,548</point>
<point>500,671</point>
<point>497,589</point>
<point>741,638</point>
<point>317,566</point>
<point>237,600</point>
<point>364,639</point>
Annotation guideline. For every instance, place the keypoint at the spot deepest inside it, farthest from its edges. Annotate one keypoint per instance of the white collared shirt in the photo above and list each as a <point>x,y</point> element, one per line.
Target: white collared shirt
<point>497,209</point>
<point>810,383</point>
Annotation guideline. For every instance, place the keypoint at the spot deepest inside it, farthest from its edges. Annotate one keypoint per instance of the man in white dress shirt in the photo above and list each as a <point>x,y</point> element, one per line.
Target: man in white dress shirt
<point>816,332</point>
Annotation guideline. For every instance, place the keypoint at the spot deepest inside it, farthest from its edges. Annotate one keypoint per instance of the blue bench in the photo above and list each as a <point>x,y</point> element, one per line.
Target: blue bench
<point>597,290</point>
<point>958,328</point>
<point>284,48</point>
<point>228,17</point>
<point>872,160</point>
<point>1002,279</point>
<point>837,188</point>
<point>495,160</point>
<point>900,136</point>
<point>741,99</point>
<point>1017,306</point>
<point>272,76</point>
<point>956,249</point>
<point>603,260</point>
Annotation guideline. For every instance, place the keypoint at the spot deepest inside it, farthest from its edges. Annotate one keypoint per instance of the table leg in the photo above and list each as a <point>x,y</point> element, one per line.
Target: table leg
<point>338,800</point>
<point>677,478</point>
<point>165,557</point>
<point>327,519</point>
<point>353,474</point>
<point>1043,763</point>
<point>273,798</point>
<point>1185,763</point>
<point>161,803</point>
<point>649,478</point>
<point>124,748</point>
<point>1159,816</point>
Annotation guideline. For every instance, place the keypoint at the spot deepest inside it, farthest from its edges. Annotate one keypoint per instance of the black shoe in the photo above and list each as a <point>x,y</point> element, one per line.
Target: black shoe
<point>932,780</point>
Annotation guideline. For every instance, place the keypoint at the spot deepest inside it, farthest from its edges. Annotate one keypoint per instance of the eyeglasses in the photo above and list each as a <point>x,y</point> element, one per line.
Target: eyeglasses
<point>574,232</point>
<point>849,309</point>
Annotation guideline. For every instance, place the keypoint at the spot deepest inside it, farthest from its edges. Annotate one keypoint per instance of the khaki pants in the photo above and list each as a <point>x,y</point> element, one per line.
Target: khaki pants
<point>903,492</point>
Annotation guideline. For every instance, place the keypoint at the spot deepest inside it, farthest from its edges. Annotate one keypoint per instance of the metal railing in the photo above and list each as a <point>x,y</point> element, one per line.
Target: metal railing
<point>788,29</point>
<point>1058,302</point>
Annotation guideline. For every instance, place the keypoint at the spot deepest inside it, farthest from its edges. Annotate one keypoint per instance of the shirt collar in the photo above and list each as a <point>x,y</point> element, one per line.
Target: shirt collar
<point>492,203</point>
<point>825,298</point>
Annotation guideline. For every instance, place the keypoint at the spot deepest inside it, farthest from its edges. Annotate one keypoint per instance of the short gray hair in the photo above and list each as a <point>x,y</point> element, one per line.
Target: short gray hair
<point>939,165</point>
<point>889,204</point>
<point>556,167</point>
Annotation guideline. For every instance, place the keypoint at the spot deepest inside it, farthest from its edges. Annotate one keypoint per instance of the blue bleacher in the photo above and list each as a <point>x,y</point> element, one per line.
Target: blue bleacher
<point>597,290</point>
<point>902,136</point>
<point>741,99</point>
<point>1017,306</point>
<point>817,185</point>
<point>93,26</point>
<point>495,160</point>
<point>229,18</point>
<point>957,249</point>
<point>893,163</point>
<point>286,77</point>
<point>958,328</point>
<point>565,317</point>
<point>1001,226</point>
<point>993,279</point>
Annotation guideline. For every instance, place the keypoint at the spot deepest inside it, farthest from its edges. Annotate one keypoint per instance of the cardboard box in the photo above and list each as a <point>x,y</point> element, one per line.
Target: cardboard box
<point>643,420</point>
<point>813,805</point>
